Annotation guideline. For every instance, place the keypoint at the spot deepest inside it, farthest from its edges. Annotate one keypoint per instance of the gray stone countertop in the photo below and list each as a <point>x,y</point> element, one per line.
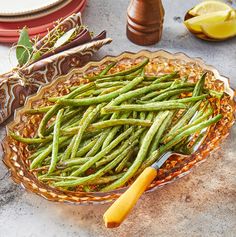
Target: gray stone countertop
<point>201,204</point>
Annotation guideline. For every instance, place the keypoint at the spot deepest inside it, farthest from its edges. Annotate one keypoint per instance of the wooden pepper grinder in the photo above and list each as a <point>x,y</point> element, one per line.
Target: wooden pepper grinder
<point>145,21</point>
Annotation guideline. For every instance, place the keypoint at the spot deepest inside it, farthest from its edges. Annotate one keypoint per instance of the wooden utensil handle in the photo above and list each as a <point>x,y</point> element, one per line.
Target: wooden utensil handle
<point>117,212</point>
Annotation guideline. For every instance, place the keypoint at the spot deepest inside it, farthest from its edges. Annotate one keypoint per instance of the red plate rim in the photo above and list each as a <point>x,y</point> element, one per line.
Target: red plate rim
<point>42,24</point>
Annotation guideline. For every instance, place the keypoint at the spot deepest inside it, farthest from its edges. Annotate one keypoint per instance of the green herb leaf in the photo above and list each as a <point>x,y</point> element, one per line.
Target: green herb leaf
<point>24,47</point>
<point>64,38</point>
<point>35,56</point>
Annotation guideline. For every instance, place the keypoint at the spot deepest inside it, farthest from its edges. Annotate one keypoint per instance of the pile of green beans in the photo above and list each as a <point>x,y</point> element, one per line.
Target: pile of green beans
<point>103,133</point>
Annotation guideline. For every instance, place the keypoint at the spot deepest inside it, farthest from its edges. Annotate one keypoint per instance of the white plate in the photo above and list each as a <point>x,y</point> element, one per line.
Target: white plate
<point>34,15</point>
<point>21,7</point>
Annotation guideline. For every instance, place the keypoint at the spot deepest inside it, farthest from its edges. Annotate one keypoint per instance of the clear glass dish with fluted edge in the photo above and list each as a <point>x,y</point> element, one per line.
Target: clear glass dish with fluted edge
<point>16,153</point>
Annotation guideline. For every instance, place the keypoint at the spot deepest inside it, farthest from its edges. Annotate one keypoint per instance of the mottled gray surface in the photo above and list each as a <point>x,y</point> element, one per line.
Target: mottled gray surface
<point>200,204</point>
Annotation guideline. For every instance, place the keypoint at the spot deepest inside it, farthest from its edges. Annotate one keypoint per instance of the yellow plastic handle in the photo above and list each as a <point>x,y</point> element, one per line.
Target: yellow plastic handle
<point>117,212</point>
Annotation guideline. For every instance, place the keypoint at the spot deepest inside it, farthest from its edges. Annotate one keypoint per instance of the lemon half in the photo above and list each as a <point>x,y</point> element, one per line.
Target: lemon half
<point>194,24</point>
<point>222,30</point>
<point>209,7</point>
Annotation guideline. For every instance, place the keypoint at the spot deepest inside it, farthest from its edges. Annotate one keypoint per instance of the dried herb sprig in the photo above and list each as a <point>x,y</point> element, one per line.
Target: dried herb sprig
<point>27,52</point>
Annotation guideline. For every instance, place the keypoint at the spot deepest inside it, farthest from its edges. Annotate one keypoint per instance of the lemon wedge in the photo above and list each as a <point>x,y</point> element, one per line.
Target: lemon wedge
<point>209,7</point>
<point>232,15</point>
<point>222,30</point>
<point>194,24</point>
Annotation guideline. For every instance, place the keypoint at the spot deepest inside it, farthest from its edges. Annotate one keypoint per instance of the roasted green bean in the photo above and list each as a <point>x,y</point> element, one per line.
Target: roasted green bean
<point>102,98</point>
<point>39,110</point>
<point>123,73</point>
<point>85,121</point>
<point>157,106</point>
<point>55,143</point>
<point>154,156</point>
<point>99,173</point>
<point>176,86</point>
<point>102,153</point>
<point>141,154</point>
<point>107,69</point>
<point>56,108</point>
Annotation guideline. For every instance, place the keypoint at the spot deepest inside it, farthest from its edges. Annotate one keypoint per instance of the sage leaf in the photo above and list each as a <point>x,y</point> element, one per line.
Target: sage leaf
<point>64,38</point>
<point>24,47</point>
<point>37,55</point>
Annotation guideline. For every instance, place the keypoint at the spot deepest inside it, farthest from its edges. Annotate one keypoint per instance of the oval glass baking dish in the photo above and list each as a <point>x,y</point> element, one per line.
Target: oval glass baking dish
<point>16,153</point>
